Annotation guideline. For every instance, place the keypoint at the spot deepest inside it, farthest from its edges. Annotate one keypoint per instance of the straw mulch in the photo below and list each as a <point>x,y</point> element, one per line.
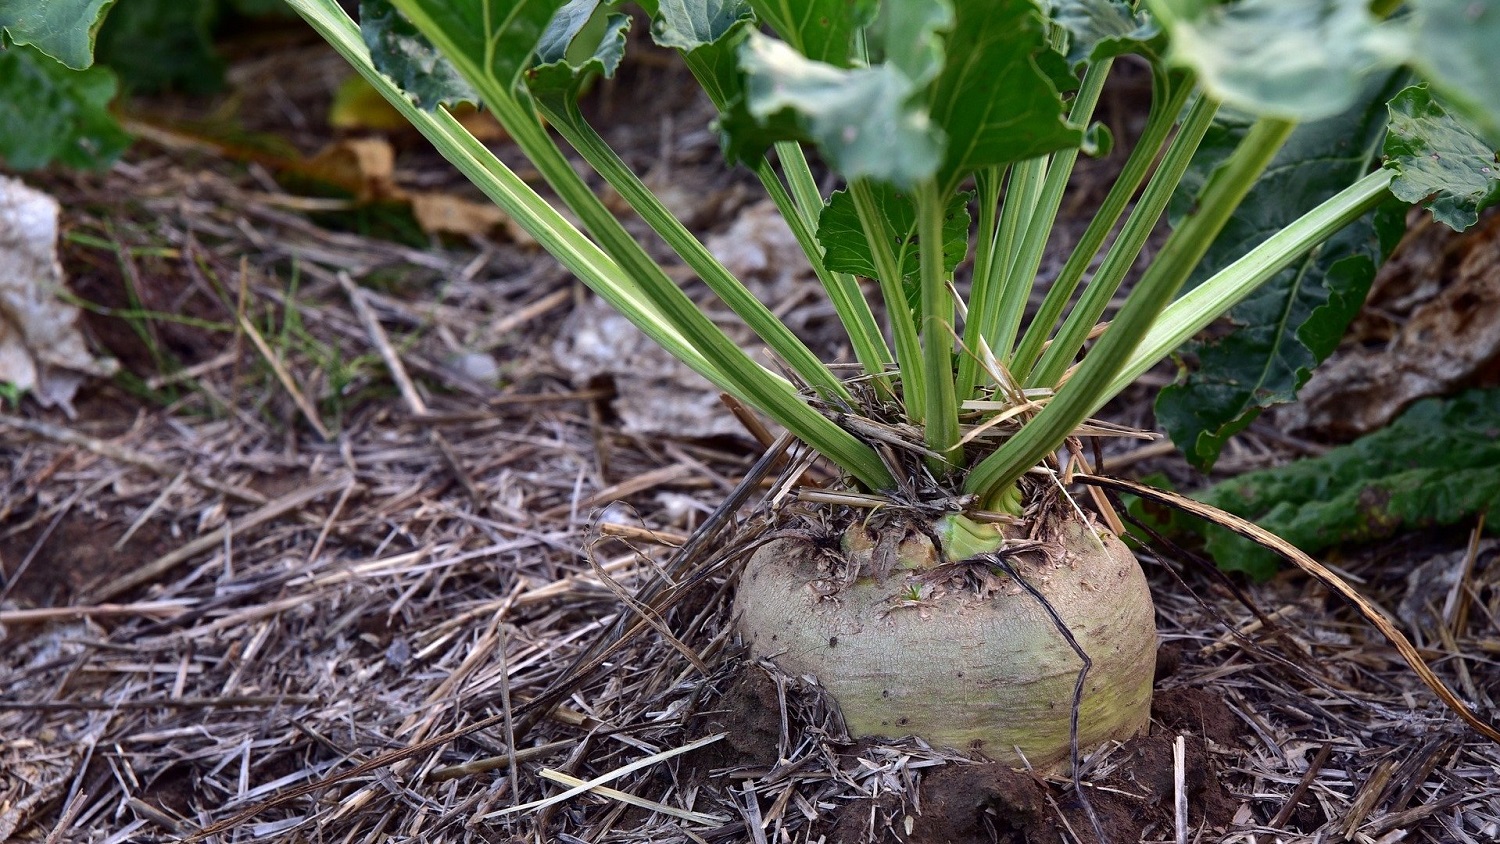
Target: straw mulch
<point>209,602</point>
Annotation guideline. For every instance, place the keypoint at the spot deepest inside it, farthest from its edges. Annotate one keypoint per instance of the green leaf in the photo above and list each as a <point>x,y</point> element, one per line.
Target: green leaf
<point>156,45</point>
<point>50,113</point>
<point>62,29</point>
<point>710,43</point>
<point>911,115</point>
<point>1102,29</point>
<point>908,35</point>
<point>1437,464</point>
<point>867,121</point>
<point>822,30</point>
<point>1294,321</point>
<point>495,39</point>
<point>586,37</point>
<point>994,103</point>
<point>847,251</point>
<point>1294,59</point>
<point>861,119</point>
<point>1055,67</point>
<point>710,46</point>
<point>580,43</point>
<point>409,59</point>
<point>1454,45</point>
<point>1306,59</point>
<point>1439,161</point>
<point>689,24</point>
<point>1098,141</point>
<point>566,25</point>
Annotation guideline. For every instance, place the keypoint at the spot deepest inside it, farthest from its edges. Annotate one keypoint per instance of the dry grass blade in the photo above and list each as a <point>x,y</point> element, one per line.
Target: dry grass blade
<point>609,777</point>
<point>1284,814</point>
<point>646,614</point>
<point>480,766</point>
<point>382,344</point>
<point>637,484</point>
<point>309,413</point>
<point>1322,573</point>
<point>1179,789</point>
<point>615,794</point>
<point>143,609</point>
<point>169,703</point>
<point>641,534</point>
<point>1405,819</point>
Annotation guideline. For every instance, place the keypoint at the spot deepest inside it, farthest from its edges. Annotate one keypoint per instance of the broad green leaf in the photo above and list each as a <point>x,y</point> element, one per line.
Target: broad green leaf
<point>992,101</point>
<point>156,45</point>
<point>1287,327</point>
<point>1101,29</point>
<point>860,119</point>
<point>409,59</point>
<point>1056,67</point>
<point>51,113</point>
<point>582,41</point>
<point>493,39</point>
<point>584,33</point>
<point>710,48</point>
<point>62,29</point>
<point>992,105</point>
<point>847,251</point>
<point>566,25</point>
<point>1456,45</point>
<point>1439,161</point>
<point>689,24</point>
<point>1305,59</point>
<point>869,122</point>
<point>909,36</point>
<point>822,30</point>
<point>1437,464</point>
<point>1294,59</point>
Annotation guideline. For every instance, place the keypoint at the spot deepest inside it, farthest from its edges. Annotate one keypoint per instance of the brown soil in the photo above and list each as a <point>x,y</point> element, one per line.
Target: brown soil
<point>1199,712</point>
<point>983,803</point>
<point>749,710</point>
<point>72,554</point>
<point>1131,787</point>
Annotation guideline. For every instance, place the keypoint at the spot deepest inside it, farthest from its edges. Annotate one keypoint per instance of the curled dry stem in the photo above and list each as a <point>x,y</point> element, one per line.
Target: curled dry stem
<point>1322,573</point>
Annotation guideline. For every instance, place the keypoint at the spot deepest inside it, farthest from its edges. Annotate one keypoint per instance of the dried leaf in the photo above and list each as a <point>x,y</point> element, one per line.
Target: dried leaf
<point>1450,340</point>
<point>41,350</point>
<point>365,167</point>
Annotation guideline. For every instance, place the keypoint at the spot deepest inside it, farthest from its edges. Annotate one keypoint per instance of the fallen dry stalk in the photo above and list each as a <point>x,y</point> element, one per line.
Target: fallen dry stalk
<point>1317,570</point>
